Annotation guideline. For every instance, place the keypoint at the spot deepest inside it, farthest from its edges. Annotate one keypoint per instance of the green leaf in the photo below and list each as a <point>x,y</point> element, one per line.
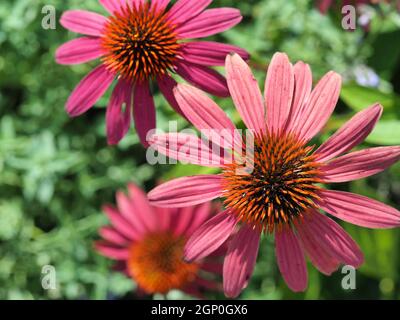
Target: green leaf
<point>386,132</point>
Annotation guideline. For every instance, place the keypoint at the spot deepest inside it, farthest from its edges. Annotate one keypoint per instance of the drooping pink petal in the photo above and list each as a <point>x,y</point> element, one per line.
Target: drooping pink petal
<point>359,210</point>
<point>144,111</point>
<point>160,5</point>
<point>302,90</point>
<point>184,10</point>
<point>166,84</point>
<point>210,236</point>
<point>204,78</point>
<point>209,53</point>
<point>118,120</point>
<point>209,22</point>
<point>84,22</point>
<point>199,215</point>
<point>320,106</point>
<point>240,260</point>
<point>360,164</point>
<point>322,259</point>
<point>113,6</point>
<point>79,50</point>
<point>186,148</point>
<point>116,253</point>
<point>245,93</point>
<point>121,224</point>
<point>186,191</point>
<point>89,91</point>
<point>290,259</point>
<point>207,116</point>
<point>278,94</point>
<point>331,238</point>
<point>113,236</point>
<point>350,134</point>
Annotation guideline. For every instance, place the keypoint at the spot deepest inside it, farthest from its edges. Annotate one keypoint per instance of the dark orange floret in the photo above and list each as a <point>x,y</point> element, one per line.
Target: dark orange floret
<point>140,43</point>
<point>156,263</point>
<point>279,187</point>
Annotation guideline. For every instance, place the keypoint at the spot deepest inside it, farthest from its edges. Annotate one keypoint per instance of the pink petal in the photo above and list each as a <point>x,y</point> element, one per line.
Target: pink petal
<point>320,106</point>
<point>351,134</point>
<point>186,148</point>
<point>184,10</point>
<point>359,210</point>
<point>360,164</point>
<point>240,260</point>
<point>210,22</point>
<point>112,252</point>
<point>113,6</point>
<point>291,261</point>
<point>144,112</point>
<point>200,214</point>
<point>207,116</point>
<point>332,239</point>
<point>160,5</point>
<point>84,22</point>
<point>209,53</point>
<point>302,90</point>
<point>166,84</point>
<point>186,191</point>
<point>121,224</point>
<point>117,120</point>
<point>322,259</point>
<point>204,78</point>
<point>113,236</point>
<point>79,50</point>
<point>89,91</point>
<point>165,217</point>
<point>324,5</point>
<point>278,93</point>
<point>210,236</point>
<point>245,93</point>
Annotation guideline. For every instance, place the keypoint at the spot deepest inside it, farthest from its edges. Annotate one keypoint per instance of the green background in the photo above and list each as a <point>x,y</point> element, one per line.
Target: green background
<point>56,172</point>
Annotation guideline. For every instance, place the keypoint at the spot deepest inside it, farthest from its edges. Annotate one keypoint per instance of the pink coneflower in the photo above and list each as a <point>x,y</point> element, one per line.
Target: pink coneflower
<point>282,194</point>
<point>148,243</point>
<point>140,42</point>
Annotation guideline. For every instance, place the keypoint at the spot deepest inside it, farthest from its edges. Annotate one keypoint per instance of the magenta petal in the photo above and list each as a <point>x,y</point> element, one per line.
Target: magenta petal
<point>207,116</point>
<point>209,22</point>
<point>278,93</point>
<point>117,120</point>
<point>360,164</point>
<point>350,134</point>
<point>89,91</point>
<point>166,84</point>
<point>359,210</point>
<point>113,236</point>
<point>84,22</point>
<point>113,6</point>
<point>186,148</point>
<point>291,261</point>
<point>204,78</point>
<point>333,239</point>
<point>210,236</point>
<point>200,214</point>
<point>245,93</point>
<point>144,112</point>
<point>319,107</point>
<point>121,224</point>
<point>111,252</point>
<point>184,10</point>
<point>79,50</point>
<point>240,260</point>
<point>160,5</point>
<point>186,191</point>
<point>209,53</point>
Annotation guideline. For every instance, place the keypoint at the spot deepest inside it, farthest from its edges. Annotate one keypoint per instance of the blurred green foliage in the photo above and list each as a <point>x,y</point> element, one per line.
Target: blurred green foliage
<point>56,172</point>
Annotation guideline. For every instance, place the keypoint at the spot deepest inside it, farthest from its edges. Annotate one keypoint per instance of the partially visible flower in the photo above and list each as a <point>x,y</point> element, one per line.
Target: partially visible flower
<point>139,42</point>
<point>148,243</point>
<point>324,5</point>
<point>282,194</point>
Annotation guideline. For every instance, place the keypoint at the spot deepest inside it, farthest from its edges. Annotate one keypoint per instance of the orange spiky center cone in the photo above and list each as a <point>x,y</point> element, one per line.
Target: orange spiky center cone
<point>139,43</point>
<point>280,185</point>
<point>156,263</point>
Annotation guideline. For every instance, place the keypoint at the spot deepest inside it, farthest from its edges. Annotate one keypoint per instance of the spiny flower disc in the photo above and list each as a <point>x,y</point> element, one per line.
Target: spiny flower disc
<point>140,43</point>
<point>157,264</point>
<point>280,187</point>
